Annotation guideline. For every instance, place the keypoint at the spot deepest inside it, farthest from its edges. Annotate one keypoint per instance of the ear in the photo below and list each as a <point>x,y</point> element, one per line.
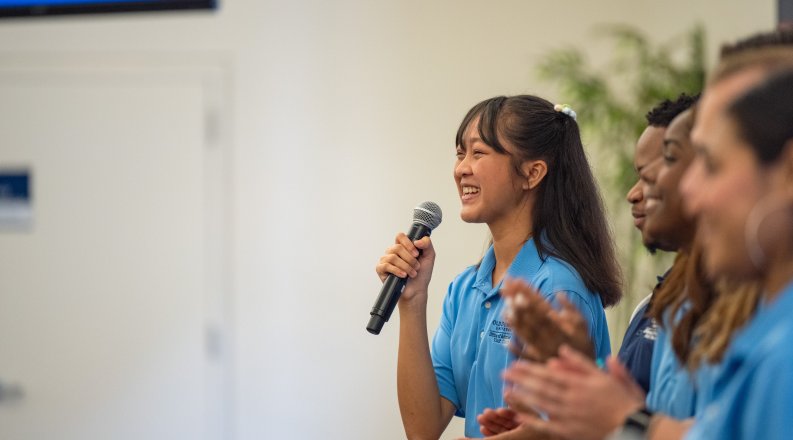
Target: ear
<point>534,171</point>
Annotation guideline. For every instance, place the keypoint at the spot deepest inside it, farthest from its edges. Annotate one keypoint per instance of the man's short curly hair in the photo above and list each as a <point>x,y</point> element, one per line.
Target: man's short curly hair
<point>662,114</point>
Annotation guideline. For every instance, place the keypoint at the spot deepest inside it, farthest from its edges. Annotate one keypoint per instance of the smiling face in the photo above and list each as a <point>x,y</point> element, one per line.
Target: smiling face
<point>646,162</point>
<point>489,186</point>
<point>666,220</point>
<point>724,182</point>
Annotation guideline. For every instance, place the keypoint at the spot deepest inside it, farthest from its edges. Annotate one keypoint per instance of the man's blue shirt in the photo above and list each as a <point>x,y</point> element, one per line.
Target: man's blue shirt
<point>636,351</point>
<point>470,348</point>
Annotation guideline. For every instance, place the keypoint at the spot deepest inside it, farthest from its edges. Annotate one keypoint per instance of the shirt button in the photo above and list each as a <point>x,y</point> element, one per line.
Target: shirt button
<point>487,305</point>
<point>481,335</point>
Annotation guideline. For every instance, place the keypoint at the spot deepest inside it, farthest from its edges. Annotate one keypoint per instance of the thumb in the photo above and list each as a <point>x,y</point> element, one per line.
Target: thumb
<point>423,242</point>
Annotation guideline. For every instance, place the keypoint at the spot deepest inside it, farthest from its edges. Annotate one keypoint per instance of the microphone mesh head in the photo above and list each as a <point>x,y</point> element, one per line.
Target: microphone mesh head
<point>428,214</point>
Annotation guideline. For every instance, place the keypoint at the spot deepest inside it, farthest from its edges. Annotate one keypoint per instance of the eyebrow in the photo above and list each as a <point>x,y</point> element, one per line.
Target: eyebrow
<point>470,141</point>
<point>669,144</point>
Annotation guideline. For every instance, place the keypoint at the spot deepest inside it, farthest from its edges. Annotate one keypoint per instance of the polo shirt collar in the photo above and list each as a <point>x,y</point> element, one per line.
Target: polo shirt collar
<point>525,265</point>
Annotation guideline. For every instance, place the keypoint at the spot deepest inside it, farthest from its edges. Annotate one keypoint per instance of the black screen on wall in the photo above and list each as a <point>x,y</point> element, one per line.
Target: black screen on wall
<point>32,8</point>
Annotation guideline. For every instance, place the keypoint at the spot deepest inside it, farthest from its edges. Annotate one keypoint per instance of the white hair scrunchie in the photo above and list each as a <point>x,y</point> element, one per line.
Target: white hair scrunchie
<point>564,108</point>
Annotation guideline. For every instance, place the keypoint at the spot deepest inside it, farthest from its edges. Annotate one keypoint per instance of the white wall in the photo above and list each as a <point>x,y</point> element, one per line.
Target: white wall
<point>343,117</point>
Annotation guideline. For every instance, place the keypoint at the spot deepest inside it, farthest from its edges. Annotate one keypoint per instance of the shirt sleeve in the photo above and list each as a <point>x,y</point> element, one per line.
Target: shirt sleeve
<point>598,332</point>
<point>671,388</point>
<point>441,353</point>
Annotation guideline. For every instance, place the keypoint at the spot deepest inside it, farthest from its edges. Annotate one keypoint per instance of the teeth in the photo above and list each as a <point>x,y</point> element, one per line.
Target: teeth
<point>470,190</point>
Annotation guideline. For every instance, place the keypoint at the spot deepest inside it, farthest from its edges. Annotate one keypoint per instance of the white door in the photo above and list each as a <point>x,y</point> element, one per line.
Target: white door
<point>107,327</point>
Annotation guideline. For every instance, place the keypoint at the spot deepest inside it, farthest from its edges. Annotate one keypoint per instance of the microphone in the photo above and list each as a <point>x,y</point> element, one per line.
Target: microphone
<point>426,217</point>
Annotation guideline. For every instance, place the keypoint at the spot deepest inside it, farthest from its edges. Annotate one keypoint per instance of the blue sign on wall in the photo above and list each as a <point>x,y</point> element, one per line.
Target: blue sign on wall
<point>16,198</point>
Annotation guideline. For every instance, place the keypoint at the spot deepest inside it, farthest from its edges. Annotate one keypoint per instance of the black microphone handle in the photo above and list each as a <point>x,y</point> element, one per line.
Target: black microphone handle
<point>392,288</point>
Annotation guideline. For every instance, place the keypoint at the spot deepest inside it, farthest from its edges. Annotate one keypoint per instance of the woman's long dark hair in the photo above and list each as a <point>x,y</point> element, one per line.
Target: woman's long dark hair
<point>685,292</point>
<point>568,219</point>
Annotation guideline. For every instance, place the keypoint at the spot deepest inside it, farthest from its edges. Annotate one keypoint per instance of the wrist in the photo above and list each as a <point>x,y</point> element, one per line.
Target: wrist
<point>637,424</point>
<point>416,302</point>
<point>626,412</point>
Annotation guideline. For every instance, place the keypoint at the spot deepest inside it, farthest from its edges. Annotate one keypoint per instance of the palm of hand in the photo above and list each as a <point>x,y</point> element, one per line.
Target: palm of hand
<point>540,328</point>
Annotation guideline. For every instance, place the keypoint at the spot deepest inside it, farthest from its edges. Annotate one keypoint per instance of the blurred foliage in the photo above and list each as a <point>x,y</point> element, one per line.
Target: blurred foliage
<point>611,102</point>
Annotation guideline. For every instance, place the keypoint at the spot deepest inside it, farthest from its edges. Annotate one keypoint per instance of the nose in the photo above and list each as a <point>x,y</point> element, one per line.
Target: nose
<point>462,167</point>
<point>635,194</point>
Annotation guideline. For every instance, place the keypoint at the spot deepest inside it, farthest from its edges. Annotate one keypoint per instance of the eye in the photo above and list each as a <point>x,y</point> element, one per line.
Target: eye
<point>459,153</point>
<point>669,159</point>
<point>478,152</point>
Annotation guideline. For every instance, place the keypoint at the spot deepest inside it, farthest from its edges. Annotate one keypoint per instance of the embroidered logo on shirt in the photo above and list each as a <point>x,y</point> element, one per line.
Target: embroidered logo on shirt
<point>500,333</point>
<point>651,331</point>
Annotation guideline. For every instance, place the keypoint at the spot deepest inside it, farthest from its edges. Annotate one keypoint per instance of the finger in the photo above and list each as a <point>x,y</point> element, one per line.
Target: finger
<point>557,364</point>
<point>571,314</point>
<point>399,262</point>
<point>567,306</point>
<point>495,421</point>
<point>499,425</point>
<point>526,419</point>
<point>519,404</point>
<point>508,417</point>
<point>385,269</point>
<point>616,369</point>
<point>487,423</point>
<point>559,320</point>
<point>381,271</point>
<point>511,286</point>
<point>535,385</point>
<point>484,418</point>
<point>575,360</point>
<point>424,243</point>
<point>537,398</point>
<point>532,353</point>
<point>405,253</point>
<point>491,429</point>
<point>529,309</point>
<point>565,316</point>
<point>566,309</point>
<point>402,239</point>
<point>548,427</point>
<point>427,249</point>
<point>532,402</point>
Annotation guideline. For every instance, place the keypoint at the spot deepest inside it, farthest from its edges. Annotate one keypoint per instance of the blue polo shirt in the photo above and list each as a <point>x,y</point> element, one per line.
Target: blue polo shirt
<point>704,379</point>
<point>672,389</point>
<point>470,346</point>
<point>752,393</point>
